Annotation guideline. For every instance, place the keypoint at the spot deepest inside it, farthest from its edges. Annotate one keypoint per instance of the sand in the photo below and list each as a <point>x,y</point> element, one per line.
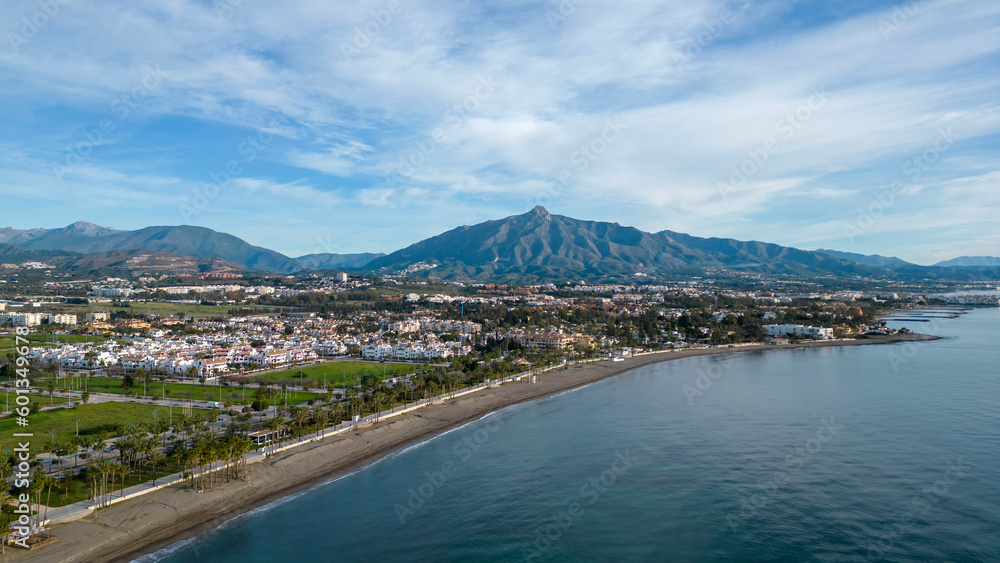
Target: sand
<point>147,523</point>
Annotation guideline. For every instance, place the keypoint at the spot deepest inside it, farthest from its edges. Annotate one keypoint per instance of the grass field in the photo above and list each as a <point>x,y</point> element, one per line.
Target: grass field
<point>93,419</point>
<point>198,392</point>
<point>339,373</point>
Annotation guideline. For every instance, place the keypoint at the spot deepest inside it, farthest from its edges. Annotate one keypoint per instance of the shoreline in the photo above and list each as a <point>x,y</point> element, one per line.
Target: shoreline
<point>152,522</point>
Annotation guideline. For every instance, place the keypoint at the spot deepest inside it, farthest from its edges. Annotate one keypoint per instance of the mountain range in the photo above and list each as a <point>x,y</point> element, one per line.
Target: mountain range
<point>529,248</point>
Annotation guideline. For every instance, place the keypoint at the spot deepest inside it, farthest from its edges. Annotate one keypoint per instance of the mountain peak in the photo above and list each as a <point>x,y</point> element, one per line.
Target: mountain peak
<point>88,229</point>
<point>540,212</point>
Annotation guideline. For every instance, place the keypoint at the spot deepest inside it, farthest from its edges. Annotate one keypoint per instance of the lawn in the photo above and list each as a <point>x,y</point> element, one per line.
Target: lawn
<point>78,489</point>
<point>93,419</point>
<point>338,373</point>
<point>192,391</point>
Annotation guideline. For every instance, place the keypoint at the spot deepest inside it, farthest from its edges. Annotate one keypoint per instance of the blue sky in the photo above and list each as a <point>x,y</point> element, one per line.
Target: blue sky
<point>319,126</point>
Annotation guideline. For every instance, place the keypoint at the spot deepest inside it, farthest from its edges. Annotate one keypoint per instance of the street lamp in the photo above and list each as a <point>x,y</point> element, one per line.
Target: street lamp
<point>77,427</point>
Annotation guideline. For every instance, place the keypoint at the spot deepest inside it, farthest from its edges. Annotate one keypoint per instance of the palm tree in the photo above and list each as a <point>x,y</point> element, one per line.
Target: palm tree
<point>35,493</point>
<point>274,425</point>
<point>4,533</point>
<point>104,468</point>
<point>299,415</point>
<point>52,390</point>
<point>153,457</point>
<point>5,471</point>
<point>50,481</point>
<point>378,398</point>
<point>321,417</point>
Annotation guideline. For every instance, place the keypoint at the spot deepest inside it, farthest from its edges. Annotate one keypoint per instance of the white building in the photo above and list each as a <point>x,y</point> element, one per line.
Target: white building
<point>62,319</point>
<point>23,319</point>
<point>817,332</point>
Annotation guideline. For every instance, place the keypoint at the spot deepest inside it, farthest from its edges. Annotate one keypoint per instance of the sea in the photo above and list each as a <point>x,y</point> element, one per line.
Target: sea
<point>867,453</point>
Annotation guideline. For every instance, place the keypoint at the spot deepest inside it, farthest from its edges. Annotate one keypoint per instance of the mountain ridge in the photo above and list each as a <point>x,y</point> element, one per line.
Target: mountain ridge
<point>531,247</point>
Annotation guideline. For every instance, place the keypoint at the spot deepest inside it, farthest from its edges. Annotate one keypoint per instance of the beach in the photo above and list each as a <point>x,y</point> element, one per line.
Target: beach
<point>147,523</point>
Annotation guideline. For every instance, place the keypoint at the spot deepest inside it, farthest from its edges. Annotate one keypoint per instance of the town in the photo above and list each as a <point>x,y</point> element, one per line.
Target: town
<point>136,379</point>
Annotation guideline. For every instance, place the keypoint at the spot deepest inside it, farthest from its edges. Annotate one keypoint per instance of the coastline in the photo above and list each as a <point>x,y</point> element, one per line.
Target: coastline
<point>154,521</point>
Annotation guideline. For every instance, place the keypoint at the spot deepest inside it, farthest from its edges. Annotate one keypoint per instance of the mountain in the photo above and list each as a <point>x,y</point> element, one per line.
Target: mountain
<point>329,261</point>
<point>80,229</point>
<point>970,261</point>
<point>539,246</point>
<point>148,261</point>
<point>529,248</point>
<point>183,240</point>
<point>119,261</point>
<point>877,260</point>
<point>12,253</point>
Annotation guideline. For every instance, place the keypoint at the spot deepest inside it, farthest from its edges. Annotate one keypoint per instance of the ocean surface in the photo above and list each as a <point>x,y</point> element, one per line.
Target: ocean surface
<point>839,454</point>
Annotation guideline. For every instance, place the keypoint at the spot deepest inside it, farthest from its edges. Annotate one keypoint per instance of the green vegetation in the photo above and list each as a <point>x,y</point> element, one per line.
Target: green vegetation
<point>107,417</point>
<point>336,373</point>
<point>161,309</point>
<point>68,491</point>
<point>156,389</point>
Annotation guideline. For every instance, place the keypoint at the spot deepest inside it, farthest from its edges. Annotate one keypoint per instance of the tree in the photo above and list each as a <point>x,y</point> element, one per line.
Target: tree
<point>4,532</point>
<point>50,481</point>
<point>322,418</point>
<point>299,415</point>
<point>147,379</point>
<point>154,457</point>
<point>85,397</point>
<point>274,425</point>
<point>52,390</point>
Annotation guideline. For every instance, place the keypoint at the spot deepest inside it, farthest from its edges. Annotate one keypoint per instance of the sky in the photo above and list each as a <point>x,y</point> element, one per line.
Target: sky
<point>364,126</point>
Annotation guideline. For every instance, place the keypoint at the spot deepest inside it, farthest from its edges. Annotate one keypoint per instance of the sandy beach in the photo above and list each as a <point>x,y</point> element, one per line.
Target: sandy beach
<point>150,522</point>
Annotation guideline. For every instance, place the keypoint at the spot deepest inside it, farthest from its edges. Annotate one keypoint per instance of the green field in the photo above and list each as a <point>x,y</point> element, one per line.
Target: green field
<point>338,373</point>
<point>93,419</point>
<point>198,392</point>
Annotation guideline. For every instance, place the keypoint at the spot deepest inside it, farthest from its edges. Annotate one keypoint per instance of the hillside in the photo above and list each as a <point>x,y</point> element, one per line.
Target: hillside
<point>329,261</point>
<point>182,240</point>
<point>541,246</point>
